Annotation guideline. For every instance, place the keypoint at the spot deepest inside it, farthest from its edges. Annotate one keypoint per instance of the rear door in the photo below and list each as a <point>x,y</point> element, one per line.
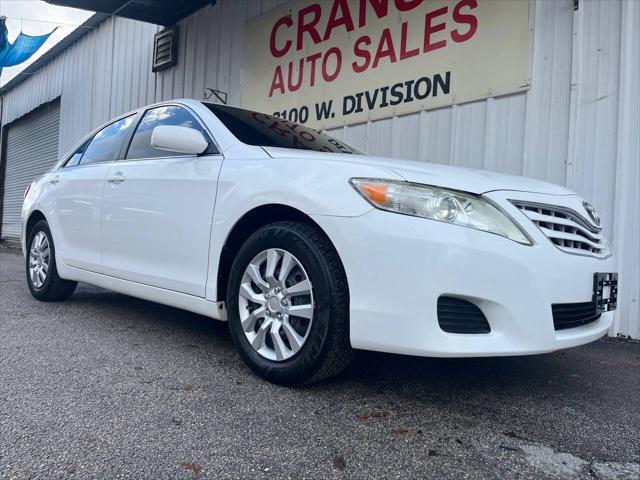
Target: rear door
<point>76,193</point>
<point>158,207</point>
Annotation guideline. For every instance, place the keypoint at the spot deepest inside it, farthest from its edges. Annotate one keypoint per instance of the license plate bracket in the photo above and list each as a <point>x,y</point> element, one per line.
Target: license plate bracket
<point>605,291</point>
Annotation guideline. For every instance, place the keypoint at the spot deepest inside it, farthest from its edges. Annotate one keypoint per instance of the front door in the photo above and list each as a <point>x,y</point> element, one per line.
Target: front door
<point>157,210</point>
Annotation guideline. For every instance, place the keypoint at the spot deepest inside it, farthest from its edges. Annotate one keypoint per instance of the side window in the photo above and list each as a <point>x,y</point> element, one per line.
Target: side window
<point>105,145</point>
<point>140,146</point>
<point>75,158</point>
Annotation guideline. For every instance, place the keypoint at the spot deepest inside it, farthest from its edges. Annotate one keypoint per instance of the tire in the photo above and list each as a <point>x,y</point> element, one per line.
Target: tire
<point>326,350</point>
<point>52,288</point>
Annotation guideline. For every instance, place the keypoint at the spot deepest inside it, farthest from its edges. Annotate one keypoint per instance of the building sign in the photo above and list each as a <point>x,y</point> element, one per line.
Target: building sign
<point>328,63</point>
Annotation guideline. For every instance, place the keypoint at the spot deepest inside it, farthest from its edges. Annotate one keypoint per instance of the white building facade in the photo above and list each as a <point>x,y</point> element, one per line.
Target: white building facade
<point>576,123</point>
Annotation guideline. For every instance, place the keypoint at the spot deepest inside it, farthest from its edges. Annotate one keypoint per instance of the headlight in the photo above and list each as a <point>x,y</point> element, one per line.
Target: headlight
<point>439,204</point>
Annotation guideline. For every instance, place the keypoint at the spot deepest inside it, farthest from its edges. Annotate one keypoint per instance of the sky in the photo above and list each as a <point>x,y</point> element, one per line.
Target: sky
<point>36,17</point>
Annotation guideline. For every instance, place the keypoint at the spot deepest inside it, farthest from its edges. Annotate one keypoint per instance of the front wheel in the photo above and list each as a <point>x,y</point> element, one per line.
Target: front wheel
<point>42,273</point>
<point>288,304</point>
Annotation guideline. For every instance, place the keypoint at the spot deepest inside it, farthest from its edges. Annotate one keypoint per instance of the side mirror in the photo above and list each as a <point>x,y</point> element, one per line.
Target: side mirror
<point>173,138</point>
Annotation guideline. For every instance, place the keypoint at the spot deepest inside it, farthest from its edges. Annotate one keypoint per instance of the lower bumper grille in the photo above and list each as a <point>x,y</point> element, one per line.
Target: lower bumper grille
<point>571,315</point>
<point>460,316</point>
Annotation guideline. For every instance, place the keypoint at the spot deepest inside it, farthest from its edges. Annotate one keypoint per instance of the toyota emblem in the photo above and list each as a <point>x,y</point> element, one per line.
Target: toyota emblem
<point>592,213</point>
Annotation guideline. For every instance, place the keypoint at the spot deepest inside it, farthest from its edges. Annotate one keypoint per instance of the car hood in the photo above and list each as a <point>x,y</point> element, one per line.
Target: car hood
<point>457,178</point>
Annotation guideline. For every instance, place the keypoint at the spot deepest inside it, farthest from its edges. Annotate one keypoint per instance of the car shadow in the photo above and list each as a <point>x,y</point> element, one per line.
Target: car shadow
<point>511,393</point>
<point>369,369</point>
<point>138,313</point>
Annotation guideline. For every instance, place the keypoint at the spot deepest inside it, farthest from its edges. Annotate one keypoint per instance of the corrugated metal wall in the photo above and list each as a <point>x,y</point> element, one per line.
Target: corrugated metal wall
<point>576,126</point>
<point>603,161</point>
<point>105,73</point>
<point>32,147</point>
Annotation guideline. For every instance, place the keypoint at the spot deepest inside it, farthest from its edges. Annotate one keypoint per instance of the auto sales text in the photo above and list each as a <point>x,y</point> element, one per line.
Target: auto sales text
<point>300,30</point>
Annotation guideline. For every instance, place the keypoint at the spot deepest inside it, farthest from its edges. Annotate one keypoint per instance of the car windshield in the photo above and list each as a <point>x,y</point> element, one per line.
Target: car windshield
<point>262,130</point>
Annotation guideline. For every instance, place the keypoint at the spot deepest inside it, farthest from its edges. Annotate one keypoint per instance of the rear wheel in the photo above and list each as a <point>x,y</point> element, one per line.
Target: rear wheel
<point>42,275</point>
<point>287,303</point>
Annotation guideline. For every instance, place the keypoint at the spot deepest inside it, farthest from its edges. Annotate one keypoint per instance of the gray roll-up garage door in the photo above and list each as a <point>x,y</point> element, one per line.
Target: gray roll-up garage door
<point>31,149</point>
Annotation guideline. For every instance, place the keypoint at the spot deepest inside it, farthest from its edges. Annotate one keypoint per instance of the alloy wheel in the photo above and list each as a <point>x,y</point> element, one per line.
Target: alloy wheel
<point>276,304</point>
<point>39,259</point>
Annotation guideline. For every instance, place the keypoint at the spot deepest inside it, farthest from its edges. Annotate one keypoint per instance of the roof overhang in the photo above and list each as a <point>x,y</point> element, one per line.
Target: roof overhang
<point>159,12</point>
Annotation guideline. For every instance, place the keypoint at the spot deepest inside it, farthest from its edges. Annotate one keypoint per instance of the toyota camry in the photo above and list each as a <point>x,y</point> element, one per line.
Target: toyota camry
<point>310,249</point>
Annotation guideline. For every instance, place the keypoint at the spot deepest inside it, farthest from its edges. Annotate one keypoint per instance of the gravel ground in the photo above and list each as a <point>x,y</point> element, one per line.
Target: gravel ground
<point>107,386</point>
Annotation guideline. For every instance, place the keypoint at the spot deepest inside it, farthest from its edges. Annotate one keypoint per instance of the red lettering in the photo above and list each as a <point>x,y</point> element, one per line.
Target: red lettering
<point>385,48</point>
<point>293,87</point>
<point>362,53</point>
<point>380,7</point>
<point>276,128</point>
<point>257,116</point>
<point>312,59</point>
<point>406,5</point>
<point>308,136</point>
<point>463,18</point>
<point>316,11</point>
<point>325,73</point>
<point>335,21</point>
<point>278,82</point>
<point>275,51</point>
<point>404,53</point>
<point>291,126</point>
<point>430,29</point>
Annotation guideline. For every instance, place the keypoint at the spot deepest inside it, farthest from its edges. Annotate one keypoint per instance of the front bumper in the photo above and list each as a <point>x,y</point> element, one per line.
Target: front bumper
<point>397,266</point>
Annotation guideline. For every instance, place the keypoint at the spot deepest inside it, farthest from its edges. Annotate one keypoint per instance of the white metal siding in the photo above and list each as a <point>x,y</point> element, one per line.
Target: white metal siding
<point>576,126</point>
<point>32,148</point>
<point>626,205</point>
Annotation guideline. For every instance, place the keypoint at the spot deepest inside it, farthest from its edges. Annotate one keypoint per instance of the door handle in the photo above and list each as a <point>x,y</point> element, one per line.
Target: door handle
<point>116,179</point>
<point>55,180</point>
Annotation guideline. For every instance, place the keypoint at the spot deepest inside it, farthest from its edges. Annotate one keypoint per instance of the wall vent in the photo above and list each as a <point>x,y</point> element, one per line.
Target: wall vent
<point>165,49</point>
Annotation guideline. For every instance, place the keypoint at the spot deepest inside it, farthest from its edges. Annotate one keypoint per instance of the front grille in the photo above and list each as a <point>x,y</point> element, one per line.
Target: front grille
<point>566,229</point>
<point>459,316</point>
<point>571,315</point>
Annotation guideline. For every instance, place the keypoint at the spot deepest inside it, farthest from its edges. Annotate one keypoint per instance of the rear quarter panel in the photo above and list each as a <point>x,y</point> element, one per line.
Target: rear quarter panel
<point>32,202</point>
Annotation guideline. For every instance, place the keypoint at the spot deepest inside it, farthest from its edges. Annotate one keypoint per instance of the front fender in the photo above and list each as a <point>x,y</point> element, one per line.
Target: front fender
<point>319,188</point>
<point>312,186</point>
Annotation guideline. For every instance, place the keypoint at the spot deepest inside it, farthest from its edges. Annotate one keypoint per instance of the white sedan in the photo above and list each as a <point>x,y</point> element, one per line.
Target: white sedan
<point>310,248</point>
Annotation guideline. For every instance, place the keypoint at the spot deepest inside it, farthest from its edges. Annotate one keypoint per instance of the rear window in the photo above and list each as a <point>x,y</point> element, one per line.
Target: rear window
<point>264,130</point>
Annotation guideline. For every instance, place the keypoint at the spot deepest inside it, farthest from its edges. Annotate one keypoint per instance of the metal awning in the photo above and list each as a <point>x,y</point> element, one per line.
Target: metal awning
<point>160,12</point>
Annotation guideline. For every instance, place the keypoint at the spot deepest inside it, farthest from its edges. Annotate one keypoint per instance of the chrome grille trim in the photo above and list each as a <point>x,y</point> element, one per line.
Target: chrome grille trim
<point>566,229</point>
